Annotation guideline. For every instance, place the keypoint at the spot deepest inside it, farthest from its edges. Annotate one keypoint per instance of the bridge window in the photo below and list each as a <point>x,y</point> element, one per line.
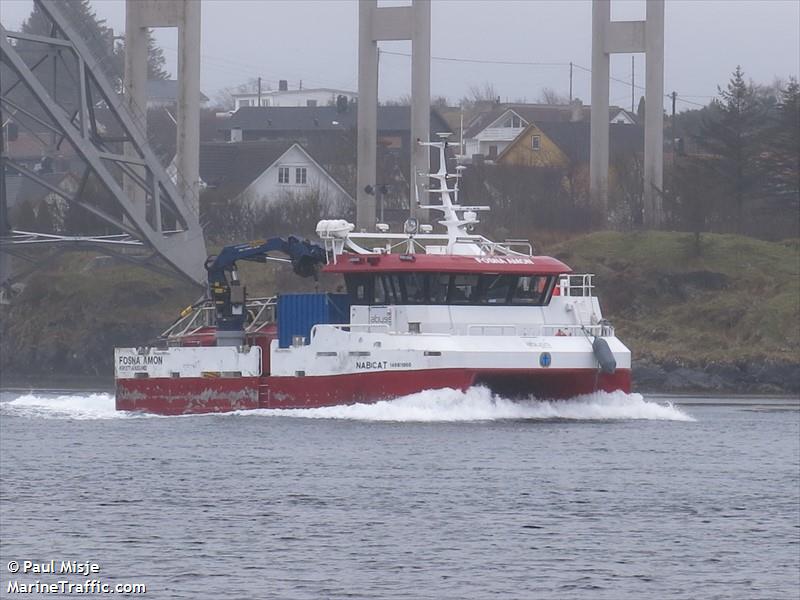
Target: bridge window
<point>462,288</point>
<point>471,289</point>
<point>497,289</point>
<point>533,290</point>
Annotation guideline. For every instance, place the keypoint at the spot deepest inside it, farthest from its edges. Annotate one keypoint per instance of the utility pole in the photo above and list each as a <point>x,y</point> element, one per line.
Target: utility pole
<point>570,82</point>
<point>5,226</point>
<point>674,96</point>
<point>633,83</point>
<point>259,91</point>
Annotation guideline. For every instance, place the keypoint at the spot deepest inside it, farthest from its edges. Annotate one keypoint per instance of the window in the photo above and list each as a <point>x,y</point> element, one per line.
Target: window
<point>360,288</point>
<point>513,121</point>
<point>463,289</point>
<point>533,290</point>
<point>497,289</point>
<point>244,103</point>
<point>300,174</point>
<point>449,288</point>
<point>536,142</point>
<point>283,174</point>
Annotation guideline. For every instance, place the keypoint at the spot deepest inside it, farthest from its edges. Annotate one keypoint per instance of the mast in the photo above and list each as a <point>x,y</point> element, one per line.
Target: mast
<point>457,220</point>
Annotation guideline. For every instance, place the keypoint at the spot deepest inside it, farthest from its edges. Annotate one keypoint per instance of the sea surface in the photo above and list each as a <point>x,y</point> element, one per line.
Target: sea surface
<point>436,495</point>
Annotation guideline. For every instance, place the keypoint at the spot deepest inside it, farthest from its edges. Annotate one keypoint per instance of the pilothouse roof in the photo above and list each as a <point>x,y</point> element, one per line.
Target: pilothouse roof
<point>447,263</point>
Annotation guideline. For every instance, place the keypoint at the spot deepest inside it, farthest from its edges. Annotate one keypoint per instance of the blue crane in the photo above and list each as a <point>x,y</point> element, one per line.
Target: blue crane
<point>227,292</point>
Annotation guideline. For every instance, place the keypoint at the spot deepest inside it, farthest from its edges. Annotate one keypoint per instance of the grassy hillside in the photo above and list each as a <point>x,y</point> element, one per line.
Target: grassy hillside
<point>728,299</point>
<point>735,300</point>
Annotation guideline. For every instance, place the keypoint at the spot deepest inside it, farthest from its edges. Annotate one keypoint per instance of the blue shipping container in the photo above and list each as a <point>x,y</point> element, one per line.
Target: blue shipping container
<point>298,313</point>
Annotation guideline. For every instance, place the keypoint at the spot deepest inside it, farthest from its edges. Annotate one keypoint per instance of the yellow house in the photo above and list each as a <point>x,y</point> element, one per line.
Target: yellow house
<point>564,144</point>
<point>533,148</point>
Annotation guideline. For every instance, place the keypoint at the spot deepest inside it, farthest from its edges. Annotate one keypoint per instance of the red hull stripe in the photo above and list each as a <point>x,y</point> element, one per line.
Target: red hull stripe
<point>200,395</point>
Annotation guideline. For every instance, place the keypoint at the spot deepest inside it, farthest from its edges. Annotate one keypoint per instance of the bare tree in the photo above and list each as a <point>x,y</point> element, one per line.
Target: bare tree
<point>550,96</point>
<point>477,94</point>
<point>223,100</point>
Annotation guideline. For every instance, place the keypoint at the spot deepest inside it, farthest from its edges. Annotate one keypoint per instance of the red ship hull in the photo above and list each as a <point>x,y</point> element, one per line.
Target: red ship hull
<point>179,396</point>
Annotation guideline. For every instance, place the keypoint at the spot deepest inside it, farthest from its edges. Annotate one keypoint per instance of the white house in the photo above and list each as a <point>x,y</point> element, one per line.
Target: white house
<point>265,173</point>
<point>621,116</point>
<point>491,132</point>
<point>296,175</point>
<point>490,140</point>
<point>286,97</point>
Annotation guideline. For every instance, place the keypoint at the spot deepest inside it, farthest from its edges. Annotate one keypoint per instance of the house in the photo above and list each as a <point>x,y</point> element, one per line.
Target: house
<point>269,172</point>
<point>567,145</point>
<point>36,148</point>
<point>283,96</point>
<point>490,132</point>
<point>307,122</point>
<point>164,93</point>
<point>263,173</point>
<point>559,144</point>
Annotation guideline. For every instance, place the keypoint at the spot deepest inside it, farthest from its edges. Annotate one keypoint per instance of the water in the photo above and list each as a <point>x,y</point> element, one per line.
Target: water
<point>436,495</point>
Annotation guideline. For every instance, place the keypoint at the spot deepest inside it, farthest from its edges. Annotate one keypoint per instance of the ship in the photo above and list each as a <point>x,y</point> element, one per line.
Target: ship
<point>420,310</point>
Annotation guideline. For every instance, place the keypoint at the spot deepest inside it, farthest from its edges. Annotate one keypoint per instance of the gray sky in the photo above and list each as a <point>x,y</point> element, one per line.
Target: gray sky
<point>316,42</point>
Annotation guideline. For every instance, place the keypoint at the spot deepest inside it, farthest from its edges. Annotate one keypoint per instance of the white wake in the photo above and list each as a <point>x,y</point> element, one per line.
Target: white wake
<point>431,406</point>
<point>63,406</point>
<point>479,404</point>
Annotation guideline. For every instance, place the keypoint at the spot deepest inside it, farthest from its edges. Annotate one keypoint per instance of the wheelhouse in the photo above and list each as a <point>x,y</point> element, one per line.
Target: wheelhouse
<point>449,280</point>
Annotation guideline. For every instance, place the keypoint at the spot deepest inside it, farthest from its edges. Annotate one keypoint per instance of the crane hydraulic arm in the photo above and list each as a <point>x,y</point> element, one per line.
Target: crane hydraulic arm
<point>227,292</point>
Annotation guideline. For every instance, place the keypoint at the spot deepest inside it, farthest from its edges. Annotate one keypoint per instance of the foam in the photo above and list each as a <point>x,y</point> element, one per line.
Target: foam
<point>63,406</point>
<point>479,404</point>
<point>430,406</point>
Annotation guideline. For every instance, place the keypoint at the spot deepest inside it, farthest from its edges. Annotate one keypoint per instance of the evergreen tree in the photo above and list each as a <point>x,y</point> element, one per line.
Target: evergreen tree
<point>640,110</point>
<point>784,140</point>
<point>732,134</point>
<point>98,36</point>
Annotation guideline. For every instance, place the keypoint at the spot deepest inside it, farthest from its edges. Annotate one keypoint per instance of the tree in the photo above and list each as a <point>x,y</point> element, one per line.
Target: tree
<point>784,139</point>
<point>550,96</point>
<point>640,110</point>
<point>731,134</point>
<point>486,94</point>
<point>224,99</point>
<point>98,36</point>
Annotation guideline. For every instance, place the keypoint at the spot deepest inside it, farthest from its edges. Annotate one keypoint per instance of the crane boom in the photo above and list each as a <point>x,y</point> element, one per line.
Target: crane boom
<point>227,292</point>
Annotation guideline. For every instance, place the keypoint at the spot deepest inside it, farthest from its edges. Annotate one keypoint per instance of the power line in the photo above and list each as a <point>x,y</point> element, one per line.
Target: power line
<point>526,63</point>
<point>480,61</point>
<point>248,69</point>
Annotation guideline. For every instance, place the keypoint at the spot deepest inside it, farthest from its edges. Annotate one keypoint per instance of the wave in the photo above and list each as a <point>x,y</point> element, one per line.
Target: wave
<point>430,406</point>
<point>63,406</point>
<point>479,404</point>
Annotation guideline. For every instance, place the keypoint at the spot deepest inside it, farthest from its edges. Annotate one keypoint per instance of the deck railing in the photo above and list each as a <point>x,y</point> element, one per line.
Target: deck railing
<point>261,311</point>
<point>580,285</point>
